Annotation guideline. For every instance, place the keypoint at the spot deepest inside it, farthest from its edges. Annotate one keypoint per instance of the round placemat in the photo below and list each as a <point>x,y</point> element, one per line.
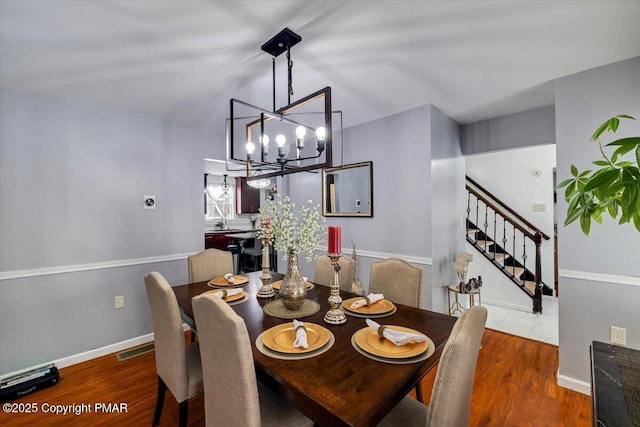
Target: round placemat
<point>431,348</point>
<point>289,356</point>
<point>277,309</point>
<point>276,285</point>
<point>369,316</point>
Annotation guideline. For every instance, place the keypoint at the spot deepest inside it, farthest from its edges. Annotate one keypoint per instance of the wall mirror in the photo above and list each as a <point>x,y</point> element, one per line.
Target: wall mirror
<point>348,190</point>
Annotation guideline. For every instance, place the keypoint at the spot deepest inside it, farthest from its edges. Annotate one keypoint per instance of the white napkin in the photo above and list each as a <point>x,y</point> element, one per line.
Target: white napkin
<point>369,299</point>
<point>229,277</point>
<point>396,337</point>
<point>301,334</point>
<point>224,293</point>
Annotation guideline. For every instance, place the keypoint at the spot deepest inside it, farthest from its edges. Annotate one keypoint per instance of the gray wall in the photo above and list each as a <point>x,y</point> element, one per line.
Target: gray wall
<point>532,127</point>
<point>448,197</point>
<point>589,305</point>
<point>71,190</point>
<point>416,214</point>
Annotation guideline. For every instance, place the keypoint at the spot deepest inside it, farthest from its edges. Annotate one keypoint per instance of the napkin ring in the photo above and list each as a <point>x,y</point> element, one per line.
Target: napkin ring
<point>301,327</point>
<point>381,331</point>
<point>224,293</point>
<point>367,300</point>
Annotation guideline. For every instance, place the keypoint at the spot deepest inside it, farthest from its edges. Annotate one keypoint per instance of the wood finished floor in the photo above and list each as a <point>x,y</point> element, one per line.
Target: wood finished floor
<point>514,386</point>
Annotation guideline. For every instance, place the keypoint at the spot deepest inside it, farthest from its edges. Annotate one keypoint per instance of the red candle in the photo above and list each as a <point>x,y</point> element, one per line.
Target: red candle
<point>334,240</point>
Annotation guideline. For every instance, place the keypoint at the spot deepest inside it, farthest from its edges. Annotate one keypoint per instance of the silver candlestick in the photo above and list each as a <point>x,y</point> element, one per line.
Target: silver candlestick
<point>266,290</point>
<point>335,316</point>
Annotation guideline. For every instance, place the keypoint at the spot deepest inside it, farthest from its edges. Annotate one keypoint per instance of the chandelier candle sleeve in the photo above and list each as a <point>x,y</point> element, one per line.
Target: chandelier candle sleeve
<point>334,240</point>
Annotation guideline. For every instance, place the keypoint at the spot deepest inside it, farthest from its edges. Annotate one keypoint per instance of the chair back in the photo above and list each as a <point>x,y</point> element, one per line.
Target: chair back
<point>210,263</point>
<point>171,359</point>
<point>398,280</point>
<point>230,385</point>
<point>451,396</point>
<point>323,272</point>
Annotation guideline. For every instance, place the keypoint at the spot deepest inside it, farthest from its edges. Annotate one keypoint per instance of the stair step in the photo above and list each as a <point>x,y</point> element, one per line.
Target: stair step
<point>482,243</point>
<point>516,271</point>
<point>531,285</point>
<point>472,230</point>
<point>498,256</point>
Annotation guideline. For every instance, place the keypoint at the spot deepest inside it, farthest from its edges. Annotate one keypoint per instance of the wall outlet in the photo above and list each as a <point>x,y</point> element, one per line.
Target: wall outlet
<point>118,302</point>
<point>618,335</point>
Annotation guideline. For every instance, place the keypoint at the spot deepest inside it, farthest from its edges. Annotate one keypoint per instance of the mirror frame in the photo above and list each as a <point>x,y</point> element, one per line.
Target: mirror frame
<point>325,191</point>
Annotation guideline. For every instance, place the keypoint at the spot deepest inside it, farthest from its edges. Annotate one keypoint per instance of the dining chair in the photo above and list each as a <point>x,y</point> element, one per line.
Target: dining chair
<point>255,252</point>
<point>210,263</point>
<point>451,394</point>
<point>323,272</point>
<point>232,395</point>
<point>177,364</point>
<point>398,280</point>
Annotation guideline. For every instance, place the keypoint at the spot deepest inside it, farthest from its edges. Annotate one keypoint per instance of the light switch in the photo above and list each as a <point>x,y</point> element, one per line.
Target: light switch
<point>539,207</point>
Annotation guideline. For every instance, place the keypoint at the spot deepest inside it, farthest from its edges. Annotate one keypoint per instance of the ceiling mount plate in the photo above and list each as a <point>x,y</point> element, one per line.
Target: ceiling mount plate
<point>282,41</point>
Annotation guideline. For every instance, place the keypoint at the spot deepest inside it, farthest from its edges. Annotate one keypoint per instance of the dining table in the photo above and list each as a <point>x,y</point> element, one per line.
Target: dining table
<point>341,386</point>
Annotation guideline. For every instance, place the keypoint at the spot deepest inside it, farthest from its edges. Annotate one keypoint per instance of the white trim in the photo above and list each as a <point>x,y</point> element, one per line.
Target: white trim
<point>47,271</point>
<point>385,255</point>
<point>573,384</point>
<point>93,354</point>
<point>600,277</point>
<point>508,305</point>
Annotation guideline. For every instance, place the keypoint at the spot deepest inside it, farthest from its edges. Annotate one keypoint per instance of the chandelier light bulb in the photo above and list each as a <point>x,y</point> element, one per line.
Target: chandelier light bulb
<point>264,139</point>
<point>301,131</point>
<point>251,148</point>
<point>320,135</point>
<point>281,140</point>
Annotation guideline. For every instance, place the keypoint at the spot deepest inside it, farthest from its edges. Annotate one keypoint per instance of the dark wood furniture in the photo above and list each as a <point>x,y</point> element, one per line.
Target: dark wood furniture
<point>340,387</point>
<point>247,197</point>
<point>615,385</point>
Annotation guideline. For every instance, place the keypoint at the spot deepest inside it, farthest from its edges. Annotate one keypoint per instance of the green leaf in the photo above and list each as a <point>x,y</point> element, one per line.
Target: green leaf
<point>636,221</point>
<point>565,182</point>
<point>585,222</point>
<point>597,216</point>
<point>601,163</point>
<point>601,179</point>
<point>571,189</point>
<point>612,208</point>
<point>574,170</point>
<point>599,131</point>
<point>638,155</point>
<point>585,173</point>
<point>623,164</point>
<point>613,124</point>
<point>625,116</point>
<point>632,141</point>
<point>573,215</point>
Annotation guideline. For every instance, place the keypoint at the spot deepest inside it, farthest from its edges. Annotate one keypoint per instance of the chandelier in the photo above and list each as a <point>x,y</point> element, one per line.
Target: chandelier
<point>259,182</point>
<point>285,140</point>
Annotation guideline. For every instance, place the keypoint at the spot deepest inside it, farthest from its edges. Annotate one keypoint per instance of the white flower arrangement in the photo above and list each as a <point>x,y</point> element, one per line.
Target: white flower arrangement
<point>461,264</point>
<point>290,232</point>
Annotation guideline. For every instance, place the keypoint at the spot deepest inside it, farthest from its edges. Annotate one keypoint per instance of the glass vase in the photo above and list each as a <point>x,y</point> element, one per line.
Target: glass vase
<point>293,290</point>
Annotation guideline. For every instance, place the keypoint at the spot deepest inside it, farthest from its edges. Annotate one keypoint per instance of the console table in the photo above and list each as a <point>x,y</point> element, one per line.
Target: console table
<point>615,385</point>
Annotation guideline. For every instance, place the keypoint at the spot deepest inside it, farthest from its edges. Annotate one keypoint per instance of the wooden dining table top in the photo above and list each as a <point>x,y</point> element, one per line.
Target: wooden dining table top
<point>339,387</point>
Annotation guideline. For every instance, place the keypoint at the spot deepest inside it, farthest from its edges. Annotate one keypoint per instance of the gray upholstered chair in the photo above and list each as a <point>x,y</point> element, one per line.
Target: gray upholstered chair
<point>232,397</point>
<point>178,365</point>
<point>398,280</point>
<point>323,272</point>
<point>451,396</point>
<point>210,263</point>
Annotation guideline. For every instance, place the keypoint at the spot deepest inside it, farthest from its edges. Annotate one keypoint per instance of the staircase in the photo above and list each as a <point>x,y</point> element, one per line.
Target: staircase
<point>506,239</point>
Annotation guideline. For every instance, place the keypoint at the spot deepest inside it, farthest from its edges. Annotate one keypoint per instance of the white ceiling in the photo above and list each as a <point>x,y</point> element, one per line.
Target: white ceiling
<point>183,60</point>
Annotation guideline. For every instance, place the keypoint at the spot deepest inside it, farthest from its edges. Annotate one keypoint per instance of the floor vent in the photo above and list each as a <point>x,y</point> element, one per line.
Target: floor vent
<point>134,351</point>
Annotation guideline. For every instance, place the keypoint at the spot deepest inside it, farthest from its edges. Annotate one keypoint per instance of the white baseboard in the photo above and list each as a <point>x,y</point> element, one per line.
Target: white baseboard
<point>93,354</point>
<point>526,309</point>
<point>573,384</point>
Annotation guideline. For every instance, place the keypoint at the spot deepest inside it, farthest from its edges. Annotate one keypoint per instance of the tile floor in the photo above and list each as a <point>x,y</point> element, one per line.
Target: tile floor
<point>540,327</point>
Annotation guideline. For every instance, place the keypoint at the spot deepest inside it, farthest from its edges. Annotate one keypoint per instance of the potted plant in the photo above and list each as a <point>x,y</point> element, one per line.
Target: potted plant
<point>612,188</point>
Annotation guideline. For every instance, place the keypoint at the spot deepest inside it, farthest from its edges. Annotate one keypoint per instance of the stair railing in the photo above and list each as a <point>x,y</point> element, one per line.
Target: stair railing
<point>516,230</point>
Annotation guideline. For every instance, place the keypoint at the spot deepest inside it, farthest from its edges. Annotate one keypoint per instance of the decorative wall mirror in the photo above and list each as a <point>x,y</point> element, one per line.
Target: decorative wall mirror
<point>348,190</point>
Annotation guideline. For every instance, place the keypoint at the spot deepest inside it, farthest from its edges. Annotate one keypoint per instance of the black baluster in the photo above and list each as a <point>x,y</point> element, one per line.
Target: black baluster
<point>486,224</point>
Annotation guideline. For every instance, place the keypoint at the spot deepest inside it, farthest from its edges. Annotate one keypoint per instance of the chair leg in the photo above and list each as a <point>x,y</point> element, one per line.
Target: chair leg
<point>193,336</point>
<point>162,388</point>
<point>183,413</point>
<point>419,393</point>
